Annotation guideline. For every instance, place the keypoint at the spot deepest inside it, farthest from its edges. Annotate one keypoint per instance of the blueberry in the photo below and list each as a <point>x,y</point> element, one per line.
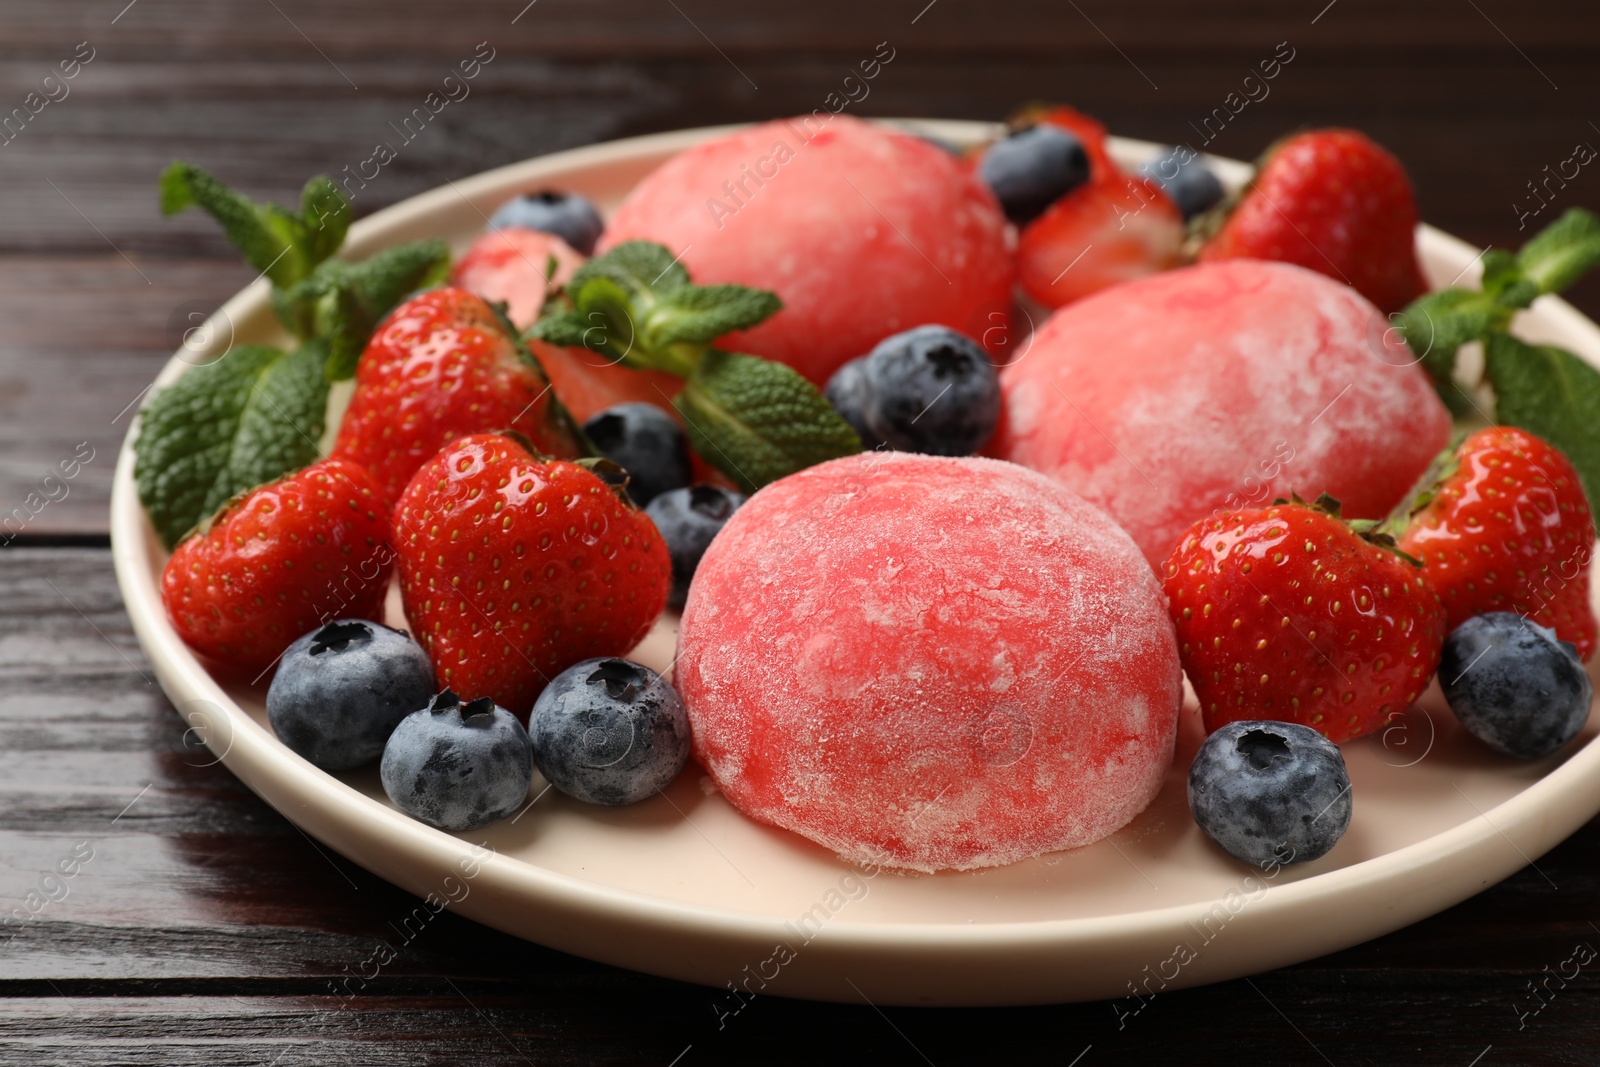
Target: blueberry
<point>458,766</point>
<point>848,393</point>
<point>929,389</point>
<point>1270,792</point>
<point>1031,168</point>
<point>646,442</point>
<point>567,215</point>
<point>340,690</point>
<point>1188,181</point>
<point>1514,684</point>
<point>688,519</point>
<point>609,731</point>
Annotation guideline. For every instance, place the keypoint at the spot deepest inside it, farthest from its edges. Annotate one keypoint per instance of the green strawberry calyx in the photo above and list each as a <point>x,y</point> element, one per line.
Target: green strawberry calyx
<point>1374,532</point>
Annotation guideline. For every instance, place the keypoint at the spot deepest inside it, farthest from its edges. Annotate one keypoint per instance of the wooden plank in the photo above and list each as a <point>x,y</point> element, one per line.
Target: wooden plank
<point>1288,1018</point>
<point>81,176</point>
<point>288,28</point>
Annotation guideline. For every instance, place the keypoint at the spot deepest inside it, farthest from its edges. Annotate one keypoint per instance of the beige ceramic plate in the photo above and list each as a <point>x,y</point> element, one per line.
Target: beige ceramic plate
<point>684,886</point>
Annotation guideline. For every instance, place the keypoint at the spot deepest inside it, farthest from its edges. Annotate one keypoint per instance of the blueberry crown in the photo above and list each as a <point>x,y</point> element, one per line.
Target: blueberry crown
<point>338,636</point>
<point>623,680</point>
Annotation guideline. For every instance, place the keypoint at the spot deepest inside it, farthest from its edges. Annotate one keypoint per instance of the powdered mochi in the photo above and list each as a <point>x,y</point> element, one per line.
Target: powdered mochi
<point>1224,385</point>
<point>930,663</point>
<point>862,230</point>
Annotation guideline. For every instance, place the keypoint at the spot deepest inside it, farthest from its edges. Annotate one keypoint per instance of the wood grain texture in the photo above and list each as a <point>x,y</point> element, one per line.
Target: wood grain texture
<point>206,929</point>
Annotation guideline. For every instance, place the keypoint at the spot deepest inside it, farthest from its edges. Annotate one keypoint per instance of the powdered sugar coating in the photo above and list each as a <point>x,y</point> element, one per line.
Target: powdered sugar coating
<point>930,663</point>
<point>1223,385</point>
<point>861,230</point>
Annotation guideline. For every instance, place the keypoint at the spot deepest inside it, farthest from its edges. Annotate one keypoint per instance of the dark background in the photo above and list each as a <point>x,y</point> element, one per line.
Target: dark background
<point>206,928</point>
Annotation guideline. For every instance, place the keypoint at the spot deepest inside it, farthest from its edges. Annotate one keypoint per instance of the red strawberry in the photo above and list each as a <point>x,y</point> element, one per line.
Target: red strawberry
<point>278,562</point>
<point>515,567</point>
<point>1331,201</point>
<point>1509,529</point>
<point>513,265</point>
<point>440,366</point>
<point>1107,231</point>
<point>1287,613</point>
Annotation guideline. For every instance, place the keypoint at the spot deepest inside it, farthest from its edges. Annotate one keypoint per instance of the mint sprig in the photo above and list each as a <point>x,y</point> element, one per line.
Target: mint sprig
<point>1543,389</point>
<point>751,418</point>
<point>636,306</point>
<point>279,243</point>
<point>314,295</point>
<point>227,426</point>
<point>257,413</point>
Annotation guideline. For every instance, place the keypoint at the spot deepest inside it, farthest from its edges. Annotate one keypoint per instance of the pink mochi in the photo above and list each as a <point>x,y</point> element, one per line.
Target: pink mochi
<point>1224,385</point>
<point>861,230</point>
<point>930,663</point>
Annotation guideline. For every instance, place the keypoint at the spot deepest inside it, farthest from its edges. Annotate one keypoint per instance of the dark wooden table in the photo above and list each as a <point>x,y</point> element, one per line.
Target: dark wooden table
<point>200,927</point>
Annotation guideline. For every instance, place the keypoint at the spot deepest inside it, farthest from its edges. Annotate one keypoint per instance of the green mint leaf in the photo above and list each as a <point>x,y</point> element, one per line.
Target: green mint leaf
<point>564,327</point>
<point>249,417</point>
<point>639,267</point>
<point>344,302</point>
<point>346,326</point>
<point>699,314</point>
<point>280,244</point>
<point>326,215</point>
<point>1562,252</point>
<point>602,315</point>
<point>264,233</point>
<point>1504,280</point>
<point>1553,395</point>
<point>757,421</point>
<point>636,306</point>
<point>1437,324</point>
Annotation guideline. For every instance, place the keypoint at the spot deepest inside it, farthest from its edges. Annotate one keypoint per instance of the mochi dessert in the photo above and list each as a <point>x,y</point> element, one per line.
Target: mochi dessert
<point>861,230</point>
<point>1224,385</point>
<point>931,663</point>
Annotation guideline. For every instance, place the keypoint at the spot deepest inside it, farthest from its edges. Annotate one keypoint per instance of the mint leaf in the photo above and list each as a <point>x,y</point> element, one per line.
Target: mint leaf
<point>639,267</point>
<point>1504,280</point>
<point>275,241</point>
<point>1562,252</point>
<point>700,314</point>
<point>227,426</point>
<point>636,306</point>
<point>566,328</point>
<point>757,421</point>
<point>344,302</point>
<point>607,311</point>
<point>1552,394</point>
<point>326,215</point>
<point>1437,324</point>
